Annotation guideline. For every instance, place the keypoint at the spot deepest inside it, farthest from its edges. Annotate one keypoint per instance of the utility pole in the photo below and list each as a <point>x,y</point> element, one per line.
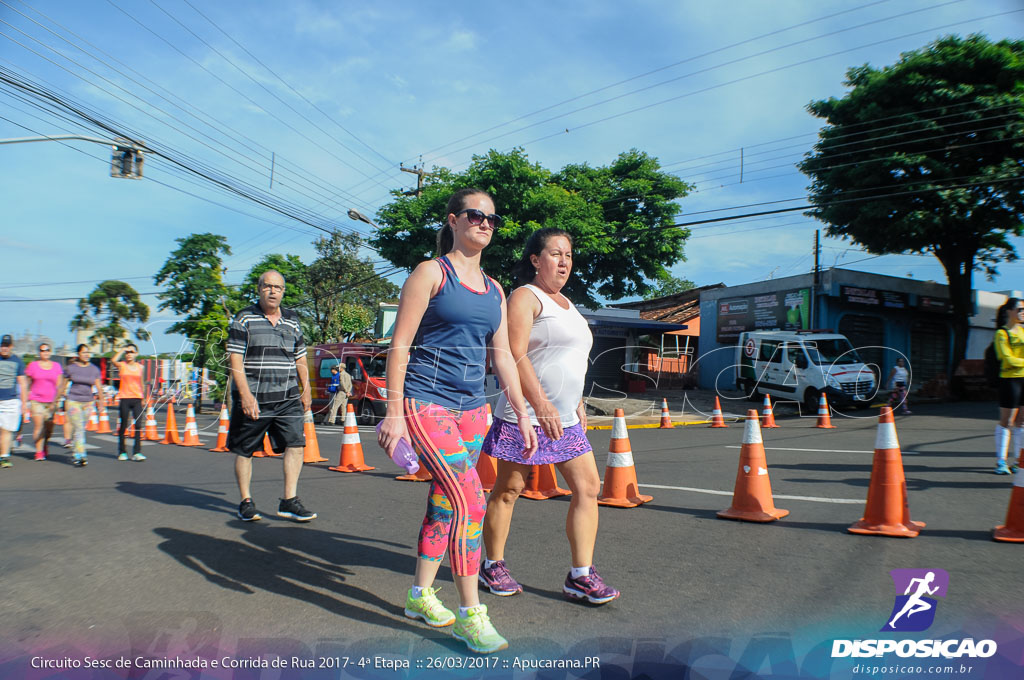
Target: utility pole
<point>817,276</point>
<point>420,174</point>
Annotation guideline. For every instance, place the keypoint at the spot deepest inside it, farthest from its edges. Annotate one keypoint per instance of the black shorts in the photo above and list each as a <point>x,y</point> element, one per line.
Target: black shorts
<point>1011,392</point>
<point>282,420</point>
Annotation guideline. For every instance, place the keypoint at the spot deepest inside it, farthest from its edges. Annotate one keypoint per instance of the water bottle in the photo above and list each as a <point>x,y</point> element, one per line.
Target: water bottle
<point>404,456</point>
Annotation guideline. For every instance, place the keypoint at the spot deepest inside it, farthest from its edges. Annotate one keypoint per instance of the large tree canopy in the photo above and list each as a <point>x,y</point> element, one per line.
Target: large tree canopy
<point>618,215</point>
<point>194,287</point>
<point>935,146</point>
<point>111,303</point>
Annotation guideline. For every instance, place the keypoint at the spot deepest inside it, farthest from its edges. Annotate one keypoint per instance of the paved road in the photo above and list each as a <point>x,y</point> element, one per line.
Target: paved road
<point>148,557</point>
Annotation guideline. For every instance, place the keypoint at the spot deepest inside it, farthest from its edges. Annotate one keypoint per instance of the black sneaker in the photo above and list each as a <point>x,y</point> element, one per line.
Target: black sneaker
<point>247,511</point>
<point>80,462</point>
<point>292,507</point>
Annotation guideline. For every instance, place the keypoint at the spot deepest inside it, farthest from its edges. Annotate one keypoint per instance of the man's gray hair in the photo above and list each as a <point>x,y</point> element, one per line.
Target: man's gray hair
<point>259,283</point>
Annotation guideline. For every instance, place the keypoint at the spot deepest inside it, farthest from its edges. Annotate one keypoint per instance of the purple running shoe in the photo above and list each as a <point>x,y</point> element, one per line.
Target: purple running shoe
<point>498,580</point>
<point>591,588</point>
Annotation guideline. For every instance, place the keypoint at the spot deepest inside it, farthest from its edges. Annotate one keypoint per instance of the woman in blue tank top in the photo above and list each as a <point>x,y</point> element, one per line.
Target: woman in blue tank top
<point>449,315</point>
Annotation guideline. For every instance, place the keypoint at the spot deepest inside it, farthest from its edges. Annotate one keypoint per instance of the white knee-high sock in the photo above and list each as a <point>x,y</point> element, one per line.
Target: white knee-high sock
<point>1015,442</point>
<point>1002,442</point>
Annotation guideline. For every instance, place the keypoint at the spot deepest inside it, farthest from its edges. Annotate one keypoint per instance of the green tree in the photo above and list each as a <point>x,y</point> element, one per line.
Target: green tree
<point>937,143</point>
<point>293,270</point>
<point>194,288</point>
<point>619,217</point>
<point>111,303</point>
<point>343,289</point>
<point>669,285</point>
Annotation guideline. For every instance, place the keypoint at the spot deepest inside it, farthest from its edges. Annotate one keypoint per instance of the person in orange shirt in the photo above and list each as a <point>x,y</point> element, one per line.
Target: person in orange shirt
<point>130,372</point>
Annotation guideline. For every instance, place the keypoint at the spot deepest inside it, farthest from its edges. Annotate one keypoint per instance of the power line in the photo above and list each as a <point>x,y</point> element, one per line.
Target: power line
<point>651,72</point>
<point>719,85</point>
<point>755,75</point>
<point>239,93</point>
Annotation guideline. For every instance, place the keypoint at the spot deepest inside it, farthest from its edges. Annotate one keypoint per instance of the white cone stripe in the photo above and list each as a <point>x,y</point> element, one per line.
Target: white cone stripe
<point>222,430</point>
<point>620,459</point>
<point>352,438</point>
<point>752,432</point>
<point>886,437</point>
<point>619,428</point>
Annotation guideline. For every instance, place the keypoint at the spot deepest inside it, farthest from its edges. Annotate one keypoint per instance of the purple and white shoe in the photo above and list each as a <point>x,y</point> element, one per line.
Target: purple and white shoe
<point>498,580</point>
<point>591,588</point>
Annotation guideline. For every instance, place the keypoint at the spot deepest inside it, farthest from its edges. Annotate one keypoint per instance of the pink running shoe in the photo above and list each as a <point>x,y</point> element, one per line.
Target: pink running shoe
<point>591,588</point>
<point>498,580</point>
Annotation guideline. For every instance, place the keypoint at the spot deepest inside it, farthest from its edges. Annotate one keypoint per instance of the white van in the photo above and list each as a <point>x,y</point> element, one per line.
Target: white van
<point>800,365</point>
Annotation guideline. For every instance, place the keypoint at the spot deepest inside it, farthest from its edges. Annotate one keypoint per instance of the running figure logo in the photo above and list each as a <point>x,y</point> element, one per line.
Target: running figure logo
<point>914,610</point>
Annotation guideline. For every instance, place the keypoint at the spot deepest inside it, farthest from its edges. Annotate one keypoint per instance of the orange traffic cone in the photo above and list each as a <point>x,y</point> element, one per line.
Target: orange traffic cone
<point>351,447</point>
<point>621,489</point>
<point>267,451</point>
<point>222,430</point>
<point>421,475</point>
<point>824,419</point>
<point>1013,530</point>
<point>887,512</point>
<point>311,454</point>
<point>716,415</point>
<point>93,423</point>
<point>543,484</point>
<point>129,432</point>
<point>171,428</point>
<point>666,420</point>
<point>767,414</point>
<point>59,418</point>
<point>190,436</point>
<point>104,426</point>
<point>487,469</point>
<point>752,496</point>
<point>150,434</point>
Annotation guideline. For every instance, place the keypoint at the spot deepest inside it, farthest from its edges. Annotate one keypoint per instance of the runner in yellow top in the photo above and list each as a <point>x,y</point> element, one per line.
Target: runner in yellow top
<point>130,393</point>
<point>1009,345</point>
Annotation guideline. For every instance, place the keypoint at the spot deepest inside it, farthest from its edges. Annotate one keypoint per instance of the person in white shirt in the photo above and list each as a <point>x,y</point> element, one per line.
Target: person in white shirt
<point>550,342</point>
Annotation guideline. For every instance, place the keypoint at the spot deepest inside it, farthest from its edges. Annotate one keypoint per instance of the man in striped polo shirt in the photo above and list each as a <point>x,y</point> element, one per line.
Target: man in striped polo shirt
<point>270,394</point>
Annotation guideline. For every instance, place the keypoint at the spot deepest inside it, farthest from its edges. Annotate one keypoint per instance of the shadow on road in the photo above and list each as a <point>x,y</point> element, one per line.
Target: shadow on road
<point>298,564</point>
<point>172,494</point>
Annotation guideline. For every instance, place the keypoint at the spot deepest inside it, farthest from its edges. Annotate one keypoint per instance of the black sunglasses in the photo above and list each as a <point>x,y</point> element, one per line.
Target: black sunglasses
<point>477,217</point>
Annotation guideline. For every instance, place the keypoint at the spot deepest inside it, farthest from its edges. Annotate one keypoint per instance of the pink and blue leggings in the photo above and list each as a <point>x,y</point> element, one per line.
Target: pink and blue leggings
<point>448,443</point>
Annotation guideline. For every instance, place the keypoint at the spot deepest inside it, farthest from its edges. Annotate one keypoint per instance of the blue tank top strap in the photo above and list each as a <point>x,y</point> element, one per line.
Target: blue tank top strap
<point>448,268</point>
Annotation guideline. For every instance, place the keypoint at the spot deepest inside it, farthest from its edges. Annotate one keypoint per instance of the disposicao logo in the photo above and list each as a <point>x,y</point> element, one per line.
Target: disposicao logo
<point>913,611</point>
<point>916,589</point>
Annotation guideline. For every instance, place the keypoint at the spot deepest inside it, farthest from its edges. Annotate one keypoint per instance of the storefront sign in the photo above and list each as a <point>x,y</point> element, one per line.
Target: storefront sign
<point>781,310</point>
<point>934,304</point>
<point>888,299</point>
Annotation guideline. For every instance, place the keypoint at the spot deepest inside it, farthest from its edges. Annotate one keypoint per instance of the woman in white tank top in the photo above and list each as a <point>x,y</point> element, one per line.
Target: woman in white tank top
<point>550,342</point>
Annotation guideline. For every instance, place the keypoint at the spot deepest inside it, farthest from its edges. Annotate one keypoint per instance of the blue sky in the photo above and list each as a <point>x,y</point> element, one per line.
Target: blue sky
<point>340,93</point>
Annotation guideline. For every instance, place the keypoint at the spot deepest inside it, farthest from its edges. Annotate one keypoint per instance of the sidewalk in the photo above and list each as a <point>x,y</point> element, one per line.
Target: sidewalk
<point>686,407</point>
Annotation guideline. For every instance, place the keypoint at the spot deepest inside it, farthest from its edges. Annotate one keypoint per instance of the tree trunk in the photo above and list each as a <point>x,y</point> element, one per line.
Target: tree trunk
<point>960,276</point>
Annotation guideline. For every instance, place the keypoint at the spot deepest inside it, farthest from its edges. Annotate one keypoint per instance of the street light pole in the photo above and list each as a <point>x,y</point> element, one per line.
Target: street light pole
<point>360,217</point>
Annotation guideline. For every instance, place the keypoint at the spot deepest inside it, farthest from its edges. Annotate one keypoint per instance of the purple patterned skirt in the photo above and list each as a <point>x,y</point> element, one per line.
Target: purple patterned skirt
<point>505,442</point>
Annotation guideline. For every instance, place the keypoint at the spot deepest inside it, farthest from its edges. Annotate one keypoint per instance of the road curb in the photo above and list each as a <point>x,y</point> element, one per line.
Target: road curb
<point>654,426</point>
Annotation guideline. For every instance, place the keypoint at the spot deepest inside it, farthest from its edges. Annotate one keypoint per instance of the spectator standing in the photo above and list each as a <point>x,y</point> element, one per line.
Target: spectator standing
<point>340,389</point>
<point>129,392</point>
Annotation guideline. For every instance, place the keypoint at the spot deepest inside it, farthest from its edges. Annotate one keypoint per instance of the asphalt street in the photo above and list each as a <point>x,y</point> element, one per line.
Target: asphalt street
<point>150,556</point>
